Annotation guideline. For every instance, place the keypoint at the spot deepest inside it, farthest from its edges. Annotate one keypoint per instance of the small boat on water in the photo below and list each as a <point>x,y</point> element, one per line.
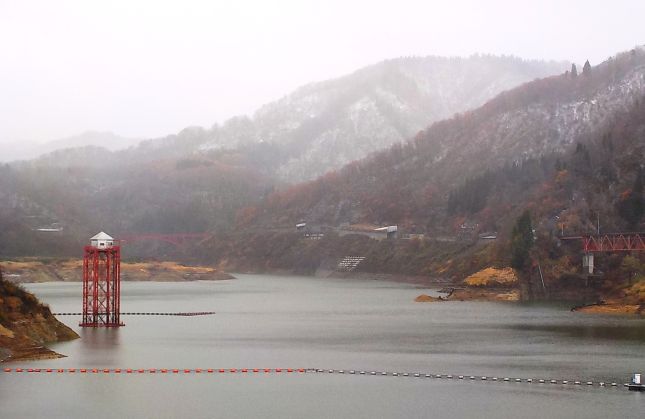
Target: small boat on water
<point>636,384</point>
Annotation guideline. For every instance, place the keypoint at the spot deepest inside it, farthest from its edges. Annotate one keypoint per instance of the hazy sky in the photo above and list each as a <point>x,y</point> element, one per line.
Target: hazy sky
<point>150,68</point>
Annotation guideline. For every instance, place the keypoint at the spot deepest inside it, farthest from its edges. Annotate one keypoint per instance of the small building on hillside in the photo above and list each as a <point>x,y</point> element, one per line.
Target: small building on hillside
<point>391,232</point>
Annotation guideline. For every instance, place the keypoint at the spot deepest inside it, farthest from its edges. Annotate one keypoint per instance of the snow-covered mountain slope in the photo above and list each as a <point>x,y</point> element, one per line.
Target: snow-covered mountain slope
<point>324,125</point>
<point>545,118</point>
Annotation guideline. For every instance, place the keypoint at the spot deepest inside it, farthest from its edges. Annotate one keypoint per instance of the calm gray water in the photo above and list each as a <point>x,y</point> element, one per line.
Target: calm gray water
<point>294,322</point>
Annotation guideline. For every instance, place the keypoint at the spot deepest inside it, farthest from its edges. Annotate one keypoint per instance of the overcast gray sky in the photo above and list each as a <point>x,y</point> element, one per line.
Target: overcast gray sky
<point>148,68</point>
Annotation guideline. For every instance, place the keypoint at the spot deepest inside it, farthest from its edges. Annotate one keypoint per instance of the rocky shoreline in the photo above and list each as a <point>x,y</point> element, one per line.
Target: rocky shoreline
<point>26,326</point>
<point>493,284</point>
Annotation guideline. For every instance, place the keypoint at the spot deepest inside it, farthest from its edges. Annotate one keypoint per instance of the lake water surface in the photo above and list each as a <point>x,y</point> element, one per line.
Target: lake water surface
<point>267,321</point>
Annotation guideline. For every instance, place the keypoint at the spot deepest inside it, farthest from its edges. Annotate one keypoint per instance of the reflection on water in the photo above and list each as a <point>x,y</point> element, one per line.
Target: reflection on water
<point>633,331</point>
<point>99,338</point>
<point>268,321</point>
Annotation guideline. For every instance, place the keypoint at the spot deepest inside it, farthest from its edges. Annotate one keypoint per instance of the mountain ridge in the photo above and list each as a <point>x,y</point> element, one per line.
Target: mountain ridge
<point>539,118</point>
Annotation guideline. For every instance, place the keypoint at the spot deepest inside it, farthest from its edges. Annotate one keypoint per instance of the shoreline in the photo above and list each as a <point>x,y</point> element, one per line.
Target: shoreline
<point>615,309</point>
<point>70,270</point>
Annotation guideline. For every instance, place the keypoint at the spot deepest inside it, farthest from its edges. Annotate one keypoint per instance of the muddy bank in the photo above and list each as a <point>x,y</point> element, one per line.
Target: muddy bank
<point>627,300</point>
<point>612,308</point>
<point>424,298</point>
<point>489,294</point>
<point>33,270</point>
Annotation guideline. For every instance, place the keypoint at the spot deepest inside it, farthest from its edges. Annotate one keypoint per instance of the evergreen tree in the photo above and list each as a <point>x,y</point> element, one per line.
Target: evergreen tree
<point>521,242</point>
<point>574,71</point>
<point>632,207</point>
<point>586,70</point>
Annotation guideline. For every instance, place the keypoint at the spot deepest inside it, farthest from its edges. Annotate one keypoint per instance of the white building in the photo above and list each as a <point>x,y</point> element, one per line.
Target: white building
<point>102,241</point>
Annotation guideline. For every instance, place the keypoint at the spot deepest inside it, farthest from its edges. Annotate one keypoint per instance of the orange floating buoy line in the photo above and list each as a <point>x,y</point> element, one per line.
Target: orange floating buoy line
<point>157,370</point>
<point>183,314</point>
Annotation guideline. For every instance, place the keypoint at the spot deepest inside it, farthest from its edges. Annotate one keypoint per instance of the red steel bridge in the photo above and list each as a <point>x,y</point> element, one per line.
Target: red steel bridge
<point>611,242</point>
<point>176,239</point>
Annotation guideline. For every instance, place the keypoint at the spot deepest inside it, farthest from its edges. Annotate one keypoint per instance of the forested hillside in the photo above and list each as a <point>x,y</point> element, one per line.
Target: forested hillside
<point>570,149</point>
<point>456,167</point>
<point>198,179</point>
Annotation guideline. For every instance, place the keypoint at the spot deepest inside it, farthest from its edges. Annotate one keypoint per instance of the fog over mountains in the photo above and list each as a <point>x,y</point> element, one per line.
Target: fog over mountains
<point>324,125</point>
<point>29,150</point>
<point>540,121</point>
<point>235,176</point>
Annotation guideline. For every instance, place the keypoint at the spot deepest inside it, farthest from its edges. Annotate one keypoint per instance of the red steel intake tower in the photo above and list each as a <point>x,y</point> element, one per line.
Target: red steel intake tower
<point>101,283</point>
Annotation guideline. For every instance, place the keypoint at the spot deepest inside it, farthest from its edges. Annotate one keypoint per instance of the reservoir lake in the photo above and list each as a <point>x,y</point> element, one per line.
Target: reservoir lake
<point>271,321</point>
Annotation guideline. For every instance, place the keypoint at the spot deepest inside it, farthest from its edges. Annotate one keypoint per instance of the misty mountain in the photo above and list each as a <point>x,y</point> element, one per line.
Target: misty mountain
<point>28,151</point>
<point>568,149</point>
<point>105,139</point>
<point>178,184</point>
<point>324,125</point>
<point>409,184</point>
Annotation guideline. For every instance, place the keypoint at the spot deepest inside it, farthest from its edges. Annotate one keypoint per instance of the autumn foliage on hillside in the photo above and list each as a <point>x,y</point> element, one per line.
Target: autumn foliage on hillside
<point>463,166</point>
<point>569,172</point>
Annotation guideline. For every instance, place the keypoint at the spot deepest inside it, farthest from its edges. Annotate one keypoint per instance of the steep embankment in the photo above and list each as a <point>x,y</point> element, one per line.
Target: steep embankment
<point>26,325</point>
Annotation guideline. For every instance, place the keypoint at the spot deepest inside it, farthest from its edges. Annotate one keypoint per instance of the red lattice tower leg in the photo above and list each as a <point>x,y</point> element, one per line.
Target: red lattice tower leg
<point>101,287</point>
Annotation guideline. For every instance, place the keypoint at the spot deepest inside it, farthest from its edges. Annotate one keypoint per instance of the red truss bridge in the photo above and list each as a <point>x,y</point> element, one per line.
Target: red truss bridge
<point>176,239</point>
<point>611,242</point>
